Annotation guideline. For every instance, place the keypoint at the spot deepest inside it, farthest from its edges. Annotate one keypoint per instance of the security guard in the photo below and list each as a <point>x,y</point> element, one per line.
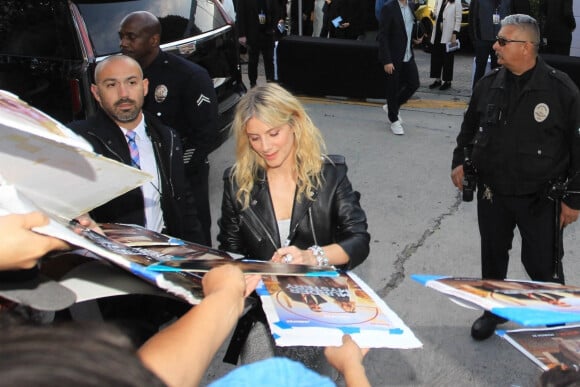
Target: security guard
<point>182,95</point>
<point>523,125</point>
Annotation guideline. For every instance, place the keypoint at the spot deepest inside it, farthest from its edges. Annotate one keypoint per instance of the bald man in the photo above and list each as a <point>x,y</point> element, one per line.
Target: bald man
<point>183,97</point>
<point>159,205</point>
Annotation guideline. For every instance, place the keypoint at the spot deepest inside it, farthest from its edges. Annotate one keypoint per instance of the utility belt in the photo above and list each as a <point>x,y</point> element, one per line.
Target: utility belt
<point>543,195</point>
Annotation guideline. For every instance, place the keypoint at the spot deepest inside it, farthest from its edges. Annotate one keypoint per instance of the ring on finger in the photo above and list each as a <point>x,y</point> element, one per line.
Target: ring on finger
<point>288,258</point>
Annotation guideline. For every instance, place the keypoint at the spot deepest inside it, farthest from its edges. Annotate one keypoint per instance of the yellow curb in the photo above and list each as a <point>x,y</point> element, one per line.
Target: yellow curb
<point>413,103</point>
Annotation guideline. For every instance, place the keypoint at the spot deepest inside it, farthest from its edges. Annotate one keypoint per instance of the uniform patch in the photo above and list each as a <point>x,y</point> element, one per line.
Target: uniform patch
<point>541,112</point>
<point>203,99</point>
<point>161,92</point>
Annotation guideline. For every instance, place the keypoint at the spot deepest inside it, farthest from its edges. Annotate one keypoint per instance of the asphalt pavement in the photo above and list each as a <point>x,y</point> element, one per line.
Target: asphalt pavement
<point>418,224</point>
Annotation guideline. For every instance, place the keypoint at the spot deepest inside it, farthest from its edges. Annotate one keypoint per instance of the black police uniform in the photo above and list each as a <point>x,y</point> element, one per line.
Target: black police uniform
<point>182,95</point>
<point>524,132</point>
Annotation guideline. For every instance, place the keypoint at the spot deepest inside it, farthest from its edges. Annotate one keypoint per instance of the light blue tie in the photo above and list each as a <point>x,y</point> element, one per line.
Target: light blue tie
<point>133,149</point>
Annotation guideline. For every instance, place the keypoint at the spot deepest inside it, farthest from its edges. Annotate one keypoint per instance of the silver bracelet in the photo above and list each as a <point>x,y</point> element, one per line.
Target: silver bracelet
<point>318,252</point>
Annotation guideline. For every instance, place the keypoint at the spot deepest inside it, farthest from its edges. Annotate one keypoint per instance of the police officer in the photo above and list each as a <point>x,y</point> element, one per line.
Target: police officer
<point>523,125</point>
<point>182,95</point>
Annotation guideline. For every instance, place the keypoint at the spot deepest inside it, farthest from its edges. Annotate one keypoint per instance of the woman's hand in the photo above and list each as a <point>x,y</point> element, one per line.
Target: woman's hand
<point>294,255</point>
<point>86,221</point>
<point>453,38</point>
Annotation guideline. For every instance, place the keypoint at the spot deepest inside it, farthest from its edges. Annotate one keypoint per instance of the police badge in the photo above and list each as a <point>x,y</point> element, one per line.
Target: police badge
<point>160,93</point>
<point>541,112</point>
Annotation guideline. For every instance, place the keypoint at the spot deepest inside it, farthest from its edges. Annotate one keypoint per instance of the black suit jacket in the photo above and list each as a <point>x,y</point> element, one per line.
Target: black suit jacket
<point>177,203</point>
<point>247,19</point>
<point>392,34</point>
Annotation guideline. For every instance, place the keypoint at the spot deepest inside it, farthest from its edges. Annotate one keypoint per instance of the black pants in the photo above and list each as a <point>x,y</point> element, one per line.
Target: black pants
<point>497,220</point>
<point>441,63</point>
<point>401,85</point>
<point>264,45</point>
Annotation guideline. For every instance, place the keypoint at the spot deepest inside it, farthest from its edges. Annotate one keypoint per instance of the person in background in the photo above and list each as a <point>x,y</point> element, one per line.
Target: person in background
<point>522,7</point>
<point>559,22</point>
<point>326,13</point>
<point>352,24</point>
<point>484,19</point>
<point>397,34</point>
<point>307,17</point>
<point>182,96</point>
<point>285,200</point>
<point>257,21</point>
<point>378,6</point>
<point>521,126</point>
<point>447,15</point>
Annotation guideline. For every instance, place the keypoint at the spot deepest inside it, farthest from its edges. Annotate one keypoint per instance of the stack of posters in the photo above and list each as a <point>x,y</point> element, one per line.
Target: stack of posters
<point>528,303</point>
<point>161,253</point>
<point>317,311</point>
<point>52,167</point>
<point>547,347</point>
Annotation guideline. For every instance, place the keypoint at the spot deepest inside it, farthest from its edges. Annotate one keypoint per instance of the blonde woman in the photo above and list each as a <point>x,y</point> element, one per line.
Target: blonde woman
<point>284,199</point>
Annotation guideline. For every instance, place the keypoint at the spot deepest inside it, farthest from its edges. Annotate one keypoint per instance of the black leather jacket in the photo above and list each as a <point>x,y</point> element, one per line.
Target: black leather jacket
<point>176,201</point>
<point>334,216</point>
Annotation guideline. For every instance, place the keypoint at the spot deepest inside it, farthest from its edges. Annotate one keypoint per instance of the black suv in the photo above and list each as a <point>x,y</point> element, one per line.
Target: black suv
<point>48,48</point>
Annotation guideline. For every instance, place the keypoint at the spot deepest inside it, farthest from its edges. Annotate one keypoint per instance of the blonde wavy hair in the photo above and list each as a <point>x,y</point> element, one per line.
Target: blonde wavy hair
<point>275,106</point>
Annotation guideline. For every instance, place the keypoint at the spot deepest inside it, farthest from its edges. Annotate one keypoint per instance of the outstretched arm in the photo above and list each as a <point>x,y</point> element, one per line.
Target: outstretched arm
<point>348,360</point>
<point>181,353</point>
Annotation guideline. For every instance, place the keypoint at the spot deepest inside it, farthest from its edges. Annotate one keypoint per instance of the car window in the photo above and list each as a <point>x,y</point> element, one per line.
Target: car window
<point>35,28</point>
<point>179,19</point>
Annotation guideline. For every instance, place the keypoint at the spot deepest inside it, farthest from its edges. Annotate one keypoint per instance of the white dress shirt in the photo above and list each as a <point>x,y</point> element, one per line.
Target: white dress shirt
<point>152,190</point>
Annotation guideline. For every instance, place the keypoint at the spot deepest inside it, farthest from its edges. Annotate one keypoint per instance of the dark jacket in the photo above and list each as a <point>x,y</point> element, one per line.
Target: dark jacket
<point>178,208</point>
<point>350,11</point>
<point>392,34</point>
<point>517,149</point>
<point>481,12</point>
<point>247,20</point>
<point>559,20</point>
<point>521,6</point>
<point>335,216</point>
<point>182,95</point>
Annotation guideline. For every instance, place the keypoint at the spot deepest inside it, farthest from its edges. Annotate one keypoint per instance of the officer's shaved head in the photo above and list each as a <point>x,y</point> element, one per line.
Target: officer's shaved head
<point>146,20</point>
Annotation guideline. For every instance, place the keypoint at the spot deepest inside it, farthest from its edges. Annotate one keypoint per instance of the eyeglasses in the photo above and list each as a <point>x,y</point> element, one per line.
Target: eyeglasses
<point>503,41</point>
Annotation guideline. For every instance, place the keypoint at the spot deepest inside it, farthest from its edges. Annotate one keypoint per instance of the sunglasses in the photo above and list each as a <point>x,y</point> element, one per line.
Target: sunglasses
<point>503,41</point>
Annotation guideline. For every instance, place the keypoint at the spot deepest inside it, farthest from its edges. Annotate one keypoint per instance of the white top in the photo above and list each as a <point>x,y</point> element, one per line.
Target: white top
<point>152,190</point>
<point>409,21</point>
<point>284,230</point>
